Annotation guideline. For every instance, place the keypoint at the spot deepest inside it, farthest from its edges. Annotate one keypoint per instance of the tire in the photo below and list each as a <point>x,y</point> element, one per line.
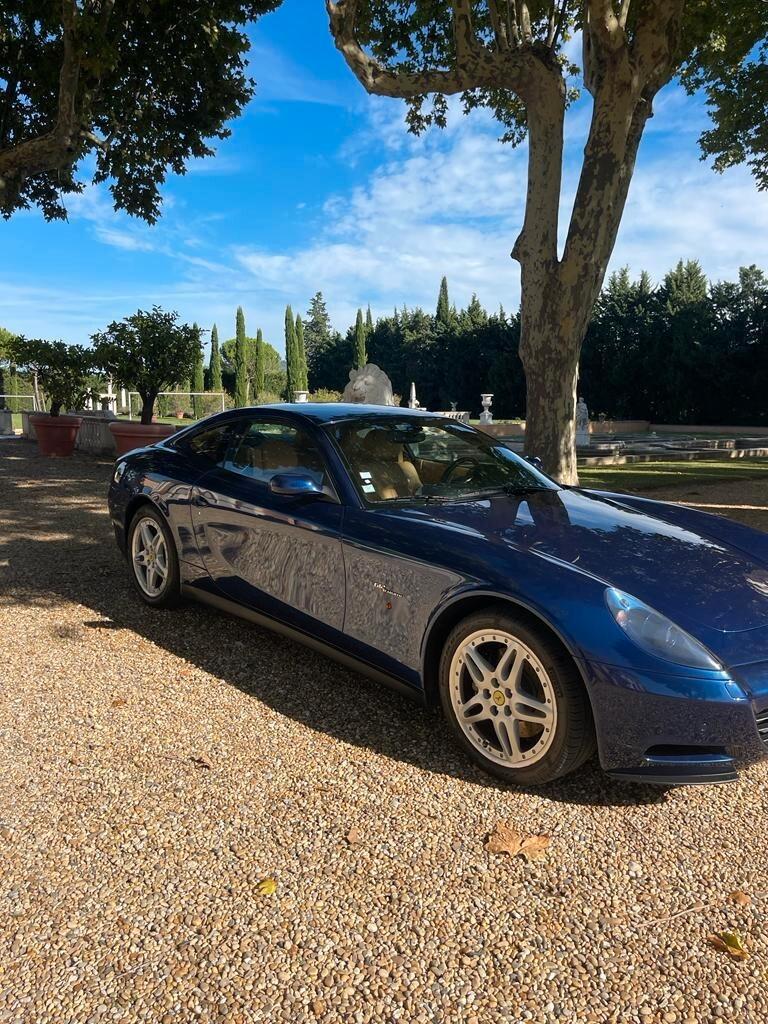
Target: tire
<point>166,593</point>
<point>523,716</point>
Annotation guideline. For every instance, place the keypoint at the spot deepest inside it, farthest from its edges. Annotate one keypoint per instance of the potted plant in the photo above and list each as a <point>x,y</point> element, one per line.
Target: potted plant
<point>62,371</point>
<point>148,352</point>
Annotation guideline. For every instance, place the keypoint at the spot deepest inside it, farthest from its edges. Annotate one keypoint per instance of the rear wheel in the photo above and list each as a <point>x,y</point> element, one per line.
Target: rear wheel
<point>153,559</point>
<point>514,699</point>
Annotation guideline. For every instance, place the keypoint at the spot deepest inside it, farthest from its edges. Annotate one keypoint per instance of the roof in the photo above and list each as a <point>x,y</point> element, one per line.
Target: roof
<point>332,412</point>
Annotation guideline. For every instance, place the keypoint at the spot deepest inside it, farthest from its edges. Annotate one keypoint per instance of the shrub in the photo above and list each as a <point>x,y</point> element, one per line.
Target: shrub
<point>325,395</point>
<point>148,352</point>
<point>62,370</point>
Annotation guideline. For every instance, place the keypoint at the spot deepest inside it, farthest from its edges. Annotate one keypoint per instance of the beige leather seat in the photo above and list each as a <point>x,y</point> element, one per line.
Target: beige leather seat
<point>392,474</point>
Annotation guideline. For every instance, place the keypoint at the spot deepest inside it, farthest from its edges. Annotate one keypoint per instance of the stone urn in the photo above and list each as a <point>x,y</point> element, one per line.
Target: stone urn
<point>56,435</point>
<point>129,435</point>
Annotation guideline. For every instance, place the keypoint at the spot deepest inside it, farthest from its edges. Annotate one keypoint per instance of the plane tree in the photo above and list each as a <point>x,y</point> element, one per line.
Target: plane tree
<point>125,90</point>
<point>511,56</point>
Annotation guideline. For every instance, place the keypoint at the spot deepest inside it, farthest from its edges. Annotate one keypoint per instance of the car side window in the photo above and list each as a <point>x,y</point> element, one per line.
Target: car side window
<point>268,448</point>
<point>209,445</point>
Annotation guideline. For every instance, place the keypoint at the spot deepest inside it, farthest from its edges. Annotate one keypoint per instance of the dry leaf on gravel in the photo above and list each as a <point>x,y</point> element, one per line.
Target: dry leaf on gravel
<point>353,836</point>
<point>730,943</point>
<point>739,898</point>
<point>119,702</point>
<point>201,761</point>
<point>504,839</point>
<point>266,886</point>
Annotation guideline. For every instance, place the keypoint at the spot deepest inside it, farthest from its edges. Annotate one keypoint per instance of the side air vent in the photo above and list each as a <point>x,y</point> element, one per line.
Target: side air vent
<point>762,725</point>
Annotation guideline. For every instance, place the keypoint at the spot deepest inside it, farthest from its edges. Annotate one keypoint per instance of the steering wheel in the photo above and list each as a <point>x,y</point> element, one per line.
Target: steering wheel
<point>454,466</point>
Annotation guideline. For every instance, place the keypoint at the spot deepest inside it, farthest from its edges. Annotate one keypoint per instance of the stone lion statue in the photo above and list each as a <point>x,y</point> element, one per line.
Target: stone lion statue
<point>369,385</point>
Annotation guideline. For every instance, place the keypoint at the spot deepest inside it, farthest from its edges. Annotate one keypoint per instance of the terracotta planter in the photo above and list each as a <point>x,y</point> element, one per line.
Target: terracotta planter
<point>56,435</point>
<point>138,435</point>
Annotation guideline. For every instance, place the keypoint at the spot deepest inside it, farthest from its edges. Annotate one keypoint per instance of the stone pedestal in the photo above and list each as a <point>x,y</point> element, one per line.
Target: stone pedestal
<point>300,396</point>
<point>582,439</point>
<point>6,421</point>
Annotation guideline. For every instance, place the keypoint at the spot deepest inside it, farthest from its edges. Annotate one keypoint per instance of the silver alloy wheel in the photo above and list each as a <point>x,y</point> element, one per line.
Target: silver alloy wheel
<point>503,698</point>
<point>149,555</point>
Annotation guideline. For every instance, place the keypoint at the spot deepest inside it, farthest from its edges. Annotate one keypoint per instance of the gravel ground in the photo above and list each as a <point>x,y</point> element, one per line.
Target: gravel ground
<point>155,767</point>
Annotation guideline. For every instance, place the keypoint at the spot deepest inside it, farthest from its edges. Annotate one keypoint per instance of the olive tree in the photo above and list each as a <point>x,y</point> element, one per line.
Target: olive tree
<point>138,86</point>
<point>509,56</point>
<point>148,352</point>
<point>63,370</point>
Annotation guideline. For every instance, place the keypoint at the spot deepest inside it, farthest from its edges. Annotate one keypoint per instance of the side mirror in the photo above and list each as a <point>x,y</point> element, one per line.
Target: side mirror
<point>295,485</point>
<point>535,461</point>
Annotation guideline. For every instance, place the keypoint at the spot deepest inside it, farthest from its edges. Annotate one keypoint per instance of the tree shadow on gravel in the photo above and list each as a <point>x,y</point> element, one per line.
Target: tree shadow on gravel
<point>56,544</point>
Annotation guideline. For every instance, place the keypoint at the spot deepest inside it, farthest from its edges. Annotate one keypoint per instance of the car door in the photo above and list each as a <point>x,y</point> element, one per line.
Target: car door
<point>279,554</point>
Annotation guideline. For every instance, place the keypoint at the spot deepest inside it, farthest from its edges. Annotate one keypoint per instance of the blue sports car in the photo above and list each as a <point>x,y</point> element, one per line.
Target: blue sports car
<point>548,621</point>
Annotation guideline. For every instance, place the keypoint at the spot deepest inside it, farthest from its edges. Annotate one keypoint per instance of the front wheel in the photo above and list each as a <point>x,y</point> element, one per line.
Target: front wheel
<point>153,559</point>
<point>514,699</point>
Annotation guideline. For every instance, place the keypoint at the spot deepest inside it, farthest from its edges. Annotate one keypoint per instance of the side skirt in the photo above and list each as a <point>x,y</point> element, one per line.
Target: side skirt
<point>328,650</point>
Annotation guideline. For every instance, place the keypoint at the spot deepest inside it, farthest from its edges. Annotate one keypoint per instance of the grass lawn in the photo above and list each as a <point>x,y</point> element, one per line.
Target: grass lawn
<point>646,476</point>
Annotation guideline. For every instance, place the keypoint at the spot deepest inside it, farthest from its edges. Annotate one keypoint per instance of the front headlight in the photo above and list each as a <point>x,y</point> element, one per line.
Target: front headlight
<point>120,468</point>
<point>657,634</point>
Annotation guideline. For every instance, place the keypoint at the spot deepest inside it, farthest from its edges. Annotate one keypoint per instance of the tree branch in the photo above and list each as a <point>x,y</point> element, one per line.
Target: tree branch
<point>655,42</point>
<point>478,67</point>
<point>499,26</point>
<point>57,149</point>
<point>464,37</point>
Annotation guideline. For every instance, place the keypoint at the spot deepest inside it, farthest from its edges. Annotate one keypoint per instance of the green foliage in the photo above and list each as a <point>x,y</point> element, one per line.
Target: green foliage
<point>685,352</point>
<point>214,365</point>
<point>260,366</point>
<point>447,366</point>
<point>241,360</point>
<point>361,357</point>
<point>292,367</point>
<point>62,370</point>
<point>325,395</point>
<point>443,315</point>
<point>156,82</point>
<point>301,355</point>
<point>198,380</point>
<point>318,336</point>
<point>148,352</point>
<point>274,374</point>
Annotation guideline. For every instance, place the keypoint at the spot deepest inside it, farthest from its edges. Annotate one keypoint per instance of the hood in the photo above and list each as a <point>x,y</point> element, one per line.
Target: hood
<point>690,577</point>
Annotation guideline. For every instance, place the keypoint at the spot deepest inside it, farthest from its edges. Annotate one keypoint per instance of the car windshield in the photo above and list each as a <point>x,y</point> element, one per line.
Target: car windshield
<point>416,459</point>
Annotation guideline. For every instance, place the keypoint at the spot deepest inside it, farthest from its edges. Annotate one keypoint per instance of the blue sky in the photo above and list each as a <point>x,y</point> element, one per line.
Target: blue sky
<point>321,188</point>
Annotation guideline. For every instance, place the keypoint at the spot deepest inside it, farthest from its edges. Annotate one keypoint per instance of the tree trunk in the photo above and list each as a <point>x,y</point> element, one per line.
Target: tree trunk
<point>551,362</point>
<point>147,407</point>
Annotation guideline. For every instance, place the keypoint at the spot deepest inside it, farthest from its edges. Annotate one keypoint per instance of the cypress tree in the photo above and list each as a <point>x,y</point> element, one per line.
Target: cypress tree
<point>259,372</point>
<point>198,381</point>
<point>361,357</point>
<point>241,361</point>
<point>368,322</point>
<point>214,366</point>
<point>443,314</point>
<point>301,355</point>
<point>291,355</point>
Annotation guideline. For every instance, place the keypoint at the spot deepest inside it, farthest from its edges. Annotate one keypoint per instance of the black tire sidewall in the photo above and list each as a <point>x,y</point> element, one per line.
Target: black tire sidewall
<point>172,590</point>
<point>573,740</point>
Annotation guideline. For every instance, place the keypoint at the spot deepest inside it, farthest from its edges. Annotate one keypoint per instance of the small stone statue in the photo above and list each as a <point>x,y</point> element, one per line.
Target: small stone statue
<point>370,385</point>
<point>582,423</point>
<point>582,415</point>
<point>413,402</point>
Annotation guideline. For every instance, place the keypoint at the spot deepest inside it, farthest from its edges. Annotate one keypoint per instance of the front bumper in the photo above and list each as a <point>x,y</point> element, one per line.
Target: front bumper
<point>677,730</point>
